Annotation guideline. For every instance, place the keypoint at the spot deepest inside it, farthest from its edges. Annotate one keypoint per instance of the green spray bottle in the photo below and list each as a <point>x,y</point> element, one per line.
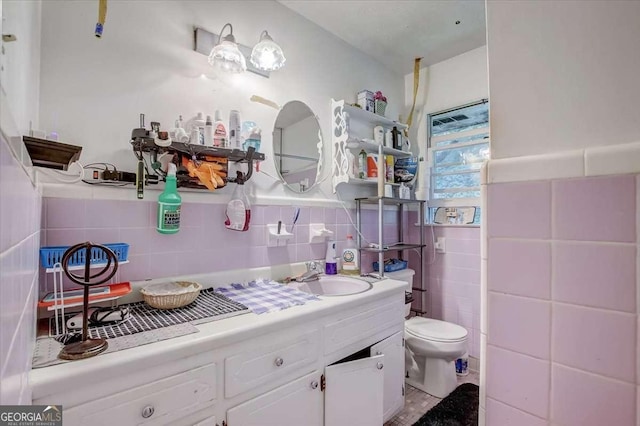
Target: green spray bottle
<point>169,204</point>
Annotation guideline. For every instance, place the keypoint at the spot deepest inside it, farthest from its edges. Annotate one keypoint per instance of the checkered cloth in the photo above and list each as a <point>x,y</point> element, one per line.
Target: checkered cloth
<point>266,296</point>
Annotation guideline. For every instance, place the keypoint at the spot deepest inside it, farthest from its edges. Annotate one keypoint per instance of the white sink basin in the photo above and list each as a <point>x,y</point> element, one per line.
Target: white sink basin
<point>334,285</point>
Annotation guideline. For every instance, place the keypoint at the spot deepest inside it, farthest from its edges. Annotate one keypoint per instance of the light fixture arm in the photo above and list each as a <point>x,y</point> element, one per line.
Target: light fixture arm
<point>264,35</point>
<point>232,38</point>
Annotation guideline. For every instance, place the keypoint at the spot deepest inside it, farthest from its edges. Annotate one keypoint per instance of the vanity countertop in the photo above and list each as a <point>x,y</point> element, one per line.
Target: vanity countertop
<point>211,335</point>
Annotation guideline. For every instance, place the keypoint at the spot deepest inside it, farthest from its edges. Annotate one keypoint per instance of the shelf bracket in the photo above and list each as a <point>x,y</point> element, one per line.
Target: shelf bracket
<point>241,178</point>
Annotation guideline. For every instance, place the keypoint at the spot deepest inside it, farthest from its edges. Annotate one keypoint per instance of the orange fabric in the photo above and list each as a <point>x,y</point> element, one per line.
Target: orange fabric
<point>209,174</point>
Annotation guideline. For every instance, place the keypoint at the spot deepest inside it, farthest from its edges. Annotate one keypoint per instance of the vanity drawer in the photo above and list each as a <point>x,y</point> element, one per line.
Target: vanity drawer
<point>270,359</point>
<point>351,330</point>
<point>162,402</point>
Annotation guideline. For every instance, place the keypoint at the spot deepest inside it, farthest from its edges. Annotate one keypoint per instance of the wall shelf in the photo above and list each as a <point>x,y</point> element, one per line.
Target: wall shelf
<point>146,144</point>
<point>399,247</point>
<point>372,118</point>
<point>395,247</point>
<point>344,138</point>
<point>233,154</point>
<point>371,146</point>
<point>373,181</point>
<point>389,201</point>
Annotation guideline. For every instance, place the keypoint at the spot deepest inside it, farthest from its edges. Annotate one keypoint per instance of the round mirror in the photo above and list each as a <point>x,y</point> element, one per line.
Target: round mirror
<point>297,146</point>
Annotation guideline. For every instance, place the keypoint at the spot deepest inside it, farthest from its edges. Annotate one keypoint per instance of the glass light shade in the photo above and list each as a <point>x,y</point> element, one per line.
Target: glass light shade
<point>227,57</point>
<point>267,55</point>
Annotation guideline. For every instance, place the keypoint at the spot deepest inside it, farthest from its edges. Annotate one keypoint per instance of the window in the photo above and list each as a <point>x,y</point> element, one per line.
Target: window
<point>458,145</point>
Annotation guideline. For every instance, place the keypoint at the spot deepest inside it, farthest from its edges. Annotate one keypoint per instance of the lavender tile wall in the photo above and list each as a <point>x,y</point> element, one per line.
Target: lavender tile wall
<point>452,280</point>
<point>203,244</point>
<point>563,294</point>
<point>20,206</point>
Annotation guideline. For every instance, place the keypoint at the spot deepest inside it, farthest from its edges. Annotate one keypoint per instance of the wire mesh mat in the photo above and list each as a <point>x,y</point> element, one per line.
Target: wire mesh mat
<point>145,325</point>
<point>208,306</point>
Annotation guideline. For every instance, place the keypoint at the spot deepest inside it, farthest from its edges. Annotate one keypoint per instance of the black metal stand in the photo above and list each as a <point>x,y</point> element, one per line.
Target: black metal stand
<point>87,347</point>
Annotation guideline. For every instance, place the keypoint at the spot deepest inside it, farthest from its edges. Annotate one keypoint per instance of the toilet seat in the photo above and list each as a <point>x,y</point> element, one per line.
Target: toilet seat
<point>435,330</point>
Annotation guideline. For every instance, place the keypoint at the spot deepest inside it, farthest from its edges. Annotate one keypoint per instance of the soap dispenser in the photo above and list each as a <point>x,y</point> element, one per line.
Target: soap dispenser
<point>330,261</point>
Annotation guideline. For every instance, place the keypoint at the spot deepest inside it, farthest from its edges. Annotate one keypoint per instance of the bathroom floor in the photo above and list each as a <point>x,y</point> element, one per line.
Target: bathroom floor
<point>416,402</point>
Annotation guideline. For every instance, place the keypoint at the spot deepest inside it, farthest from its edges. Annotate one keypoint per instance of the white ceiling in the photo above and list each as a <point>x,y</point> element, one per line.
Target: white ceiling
<point>395,32</point>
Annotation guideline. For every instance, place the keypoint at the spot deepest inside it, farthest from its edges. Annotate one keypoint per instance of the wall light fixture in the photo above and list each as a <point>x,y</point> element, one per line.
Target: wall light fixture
<point>267,54</point>
<point>225,54</point>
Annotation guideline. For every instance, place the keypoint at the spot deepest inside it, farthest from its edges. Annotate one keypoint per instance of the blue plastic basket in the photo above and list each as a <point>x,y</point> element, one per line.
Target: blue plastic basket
<point>49,256</point>
<point>392,265</point>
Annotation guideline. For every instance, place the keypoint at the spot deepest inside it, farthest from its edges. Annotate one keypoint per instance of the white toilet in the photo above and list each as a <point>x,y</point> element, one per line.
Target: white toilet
<point>431,348</point>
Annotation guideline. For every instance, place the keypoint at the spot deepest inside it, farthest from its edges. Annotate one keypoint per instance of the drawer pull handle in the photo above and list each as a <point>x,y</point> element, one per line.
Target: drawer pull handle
<point>380,366</point>
<point>314,385</point>
<point>148,411</point>
<point>279,361</point>
<point>378,353</point>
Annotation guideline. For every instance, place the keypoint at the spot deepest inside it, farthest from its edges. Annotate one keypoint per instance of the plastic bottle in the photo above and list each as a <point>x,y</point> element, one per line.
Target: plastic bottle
<point>169,203</point>
<point>238,211</point>
<point>199,123</point>
<point>251,136</point>
<point>330,264</point>
<point>397,138</point>
<point>350,258</point>
<point>234,129</point>
<point>194,138</point>
<point>208,131</point>
<point>362,164</point>
<point>389,168</point>
<point>219,132</point>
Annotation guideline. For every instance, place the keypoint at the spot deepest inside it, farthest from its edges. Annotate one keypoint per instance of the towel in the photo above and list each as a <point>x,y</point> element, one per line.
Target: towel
<point>262,295</point>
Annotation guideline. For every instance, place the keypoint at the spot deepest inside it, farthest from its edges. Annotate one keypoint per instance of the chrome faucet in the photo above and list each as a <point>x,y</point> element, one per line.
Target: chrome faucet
<point>314,270</point>
<point>308,276</point>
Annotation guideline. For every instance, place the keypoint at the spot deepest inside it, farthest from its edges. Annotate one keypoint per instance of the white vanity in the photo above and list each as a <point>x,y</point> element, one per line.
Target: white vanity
<point>278,368</point>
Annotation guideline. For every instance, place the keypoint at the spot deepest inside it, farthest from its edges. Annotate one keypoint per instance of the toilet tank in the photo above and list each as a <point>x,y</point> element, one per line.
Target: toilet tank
<point>405,275</point>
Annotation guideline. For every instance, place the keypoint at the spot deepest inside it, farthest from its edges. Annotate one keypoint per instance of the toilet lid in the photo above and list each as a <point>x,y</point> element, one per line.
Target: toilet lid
<point>435,330</point>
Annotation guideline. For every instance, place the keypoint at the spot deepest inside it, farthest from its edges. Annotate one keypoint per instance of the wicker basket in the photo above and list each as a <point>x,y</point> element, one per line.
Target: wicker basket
<point>380,106</point>
<point>171,295</point>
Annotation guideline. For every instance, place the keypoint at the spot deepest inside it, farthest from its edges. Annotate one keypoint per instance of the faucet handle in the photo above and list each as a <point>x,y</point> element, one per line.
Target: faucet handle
<point>314,265</point>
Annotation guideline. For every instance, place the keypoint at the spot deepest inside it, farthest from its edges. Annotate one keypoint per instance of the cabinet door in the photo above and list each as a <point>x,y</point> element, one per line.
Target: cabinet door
<point>393,350</point>
<point>353,392</point>
<point>294,404</point>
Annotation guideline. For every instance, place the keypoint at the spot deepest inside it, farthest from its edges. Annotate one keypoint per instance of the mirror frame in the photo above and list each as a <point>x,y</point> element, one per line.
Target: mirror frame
<point>319,146</point>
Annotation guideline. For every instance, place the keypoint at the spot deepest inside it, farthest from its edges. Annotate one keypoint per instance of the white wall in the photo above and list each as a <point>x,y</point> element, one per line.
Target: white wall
<point>92,90</point>
<point>563,75</point>
<point>457,81</point>
<point>20,70</point>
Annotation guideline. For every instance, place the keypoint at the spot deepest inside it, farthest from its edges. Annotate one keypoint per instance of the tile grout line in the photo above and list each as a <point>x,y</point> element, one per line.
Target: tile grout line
<point>555,241</point>
<point>18,244</point>
<point>515,408</point>
<point>559,302</point>
<point>552,363</point>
